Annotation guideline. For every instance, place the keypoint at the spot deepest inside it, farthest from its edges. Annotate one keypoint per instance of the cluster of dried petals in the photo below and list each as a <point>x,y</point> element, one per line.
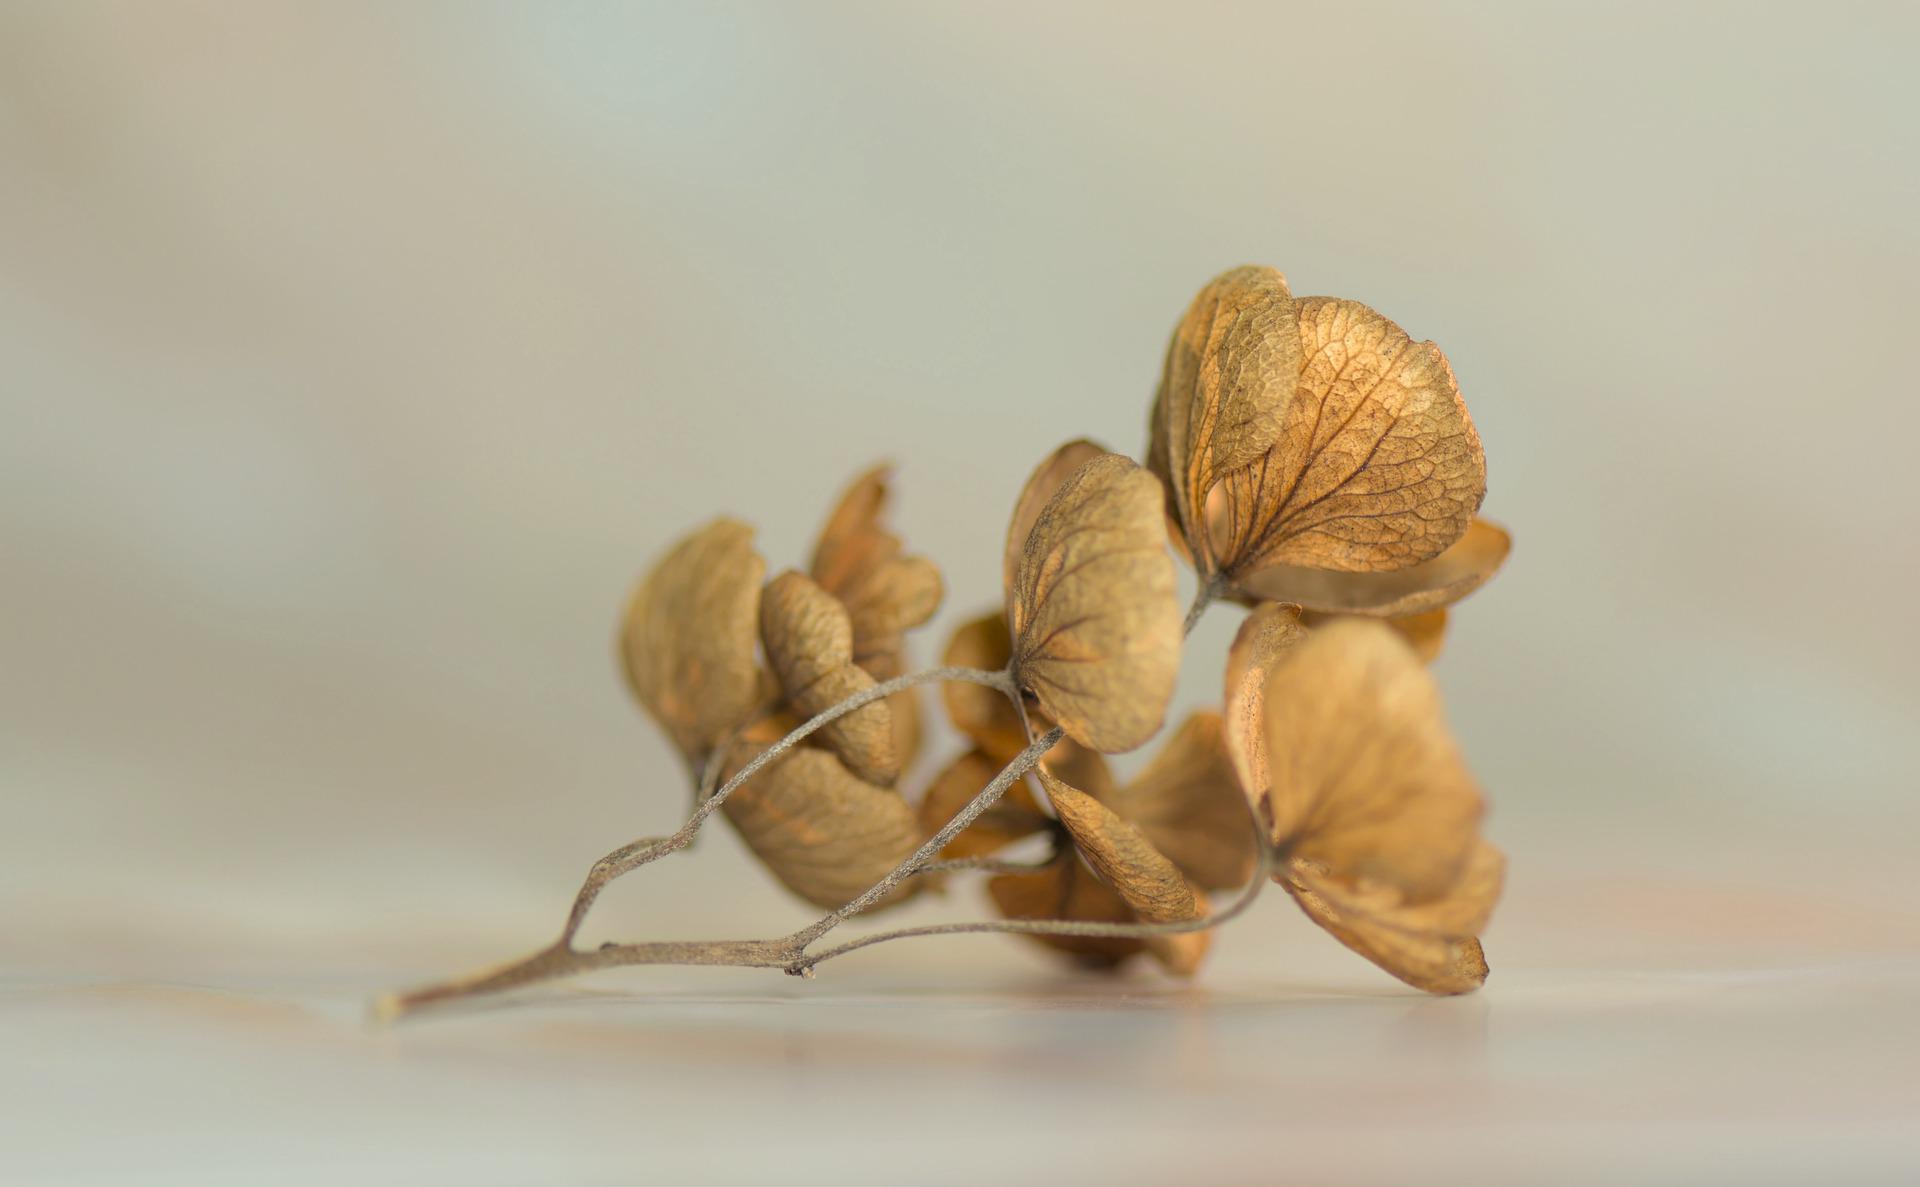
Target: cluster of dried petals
<point>1314,453</point>
<point>1339,740</point>
<point>886,591</point>
<point>1314,463</point>
<point>824,816</point>
<point>1146,851</point>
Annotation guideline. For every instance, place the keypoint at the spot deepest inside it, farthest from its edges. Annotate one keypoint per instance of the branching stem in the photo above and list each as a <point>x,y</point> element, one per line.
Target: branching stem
<point>632,856</point>
<point>561,959</point>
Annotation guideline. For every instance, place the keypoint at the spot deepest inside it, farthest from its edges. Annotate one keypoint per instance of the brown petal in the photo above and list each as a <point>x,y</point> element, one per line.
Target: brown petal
<point>1094,617</point>
<point>824,832</point>
<point>689,633</point>
<point>1122,855</point>
<point>1426,633</point>
<point>1432,946</point>
<point>1046,479</point>
<point>1364,779</point>
<point>1068,890</point>
<point>983,714</point>
<point>1151,885</point>
<point>1264,639</point>
<point>1377,467</point>
<point>904,708</point>
<point>1014,818</point>
<point>1189,804</point>
<point>1464,567</point>
<point>860,561</point>
<point>810,644</point>
<point>1229,375</point>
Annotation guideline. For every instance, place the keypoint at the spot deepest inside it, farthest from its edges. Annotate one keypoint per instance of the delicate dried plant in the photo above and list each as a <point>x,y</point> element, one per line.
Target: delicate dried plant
<point>1345,755</point>
<point>1314,464</point>
<point>1351,469</point>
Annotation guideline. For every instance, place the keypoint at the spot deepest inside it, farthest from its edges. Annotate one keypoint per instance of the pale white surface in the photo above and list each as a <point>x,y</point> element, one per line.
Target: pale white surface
<point>1634,1032</point>
<point>355,357</point>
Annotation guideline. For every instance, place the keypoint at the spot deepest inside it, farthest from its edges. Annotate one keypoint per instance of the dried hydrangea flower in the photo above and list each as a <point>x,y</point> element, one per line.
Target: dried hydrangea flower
<point>823,831</point>
<point>687,642</point>
<point>1341,744</point>
<point>809,641</point>
<point>887,592</point>
<point>1365,465</point>
<point>1091,608</point>
<point>1183,815</point>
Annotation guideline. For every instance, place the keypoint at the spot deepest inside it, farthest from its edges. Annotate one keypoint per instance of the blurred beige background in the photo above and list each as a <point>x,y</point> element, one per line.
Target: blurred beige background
<point>354,359</point>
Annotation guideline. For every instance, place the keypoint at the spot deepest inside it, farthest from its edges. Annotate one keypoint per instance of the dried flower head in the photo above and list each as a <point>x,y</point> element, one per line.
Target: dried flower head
<point>687,640</point>
<point>1143,851</point>
<point>1314,463</point>
<point>1364,464</point>
<point>1340,742</point>
<point>1091,607</point>
<point>886,592</point>
<point>826,833</point>
<point>809,640</point>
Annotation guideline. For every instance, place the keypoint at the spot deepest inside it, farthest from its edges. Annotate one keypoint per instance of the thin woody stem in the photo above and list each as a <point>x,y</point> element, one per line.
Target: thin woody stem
<point>1063,927</point>
<point>1210,589</point>
<point>931,847</point>
<point>989,865</point>
<point>635,854</point>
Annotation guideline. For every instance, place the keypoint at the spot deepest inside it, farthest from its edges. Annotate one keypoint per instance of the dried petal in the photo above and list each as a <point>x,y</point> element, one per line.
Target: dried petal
<point>1046,479</point>
<point>1229,375</point>
<point>810,644</point>
<point>1377,466</point>
<point>1093,613</point>
<point>1014,818</point>
<point>1264,639</point>
<point>1122,855</point>
<point>1464,567</point>
<point>1432,946</point>
<point>1068,890</point>
<point>1189,804</point>
<point>1426,633</point>
<point>983,714</point>
<point>824,832</point>
<point>1151,885</point>
<point>859,560</point>
<point>1364,779</point>
<point>689,634</point>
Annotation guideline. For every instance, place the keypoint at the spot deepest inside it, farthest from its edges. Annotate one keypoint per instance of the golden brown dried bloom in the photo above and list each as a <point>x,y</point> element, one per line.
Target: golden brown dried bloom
<point>1470,562</point>
<point>1365,795</point>
<point>1034,496</point>
<point>859,560</point>
<point>823,831</point>
<point>1014,818</point>
<point>1363,462</point>
<point>982,713</point>
<point>810,644</point>
<point>1425,632</point>
<point>1432,946</point>
<point>1192,830</point>
<point>1264,638</point>
<point>1152,887</point>
<point>687,640</point>
<point>1229,374</point>
<point>1188,803</point>
<point>1068,890</point>
<point>1095,624</point>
